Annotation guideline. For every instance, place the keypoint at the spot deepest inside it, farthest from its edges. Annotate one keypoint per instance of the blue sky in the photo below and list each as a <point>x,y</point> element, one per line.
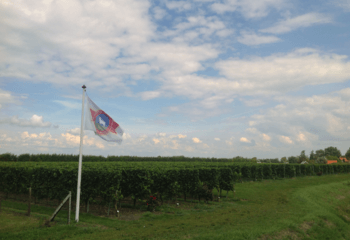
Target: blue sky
<point>253,78</point>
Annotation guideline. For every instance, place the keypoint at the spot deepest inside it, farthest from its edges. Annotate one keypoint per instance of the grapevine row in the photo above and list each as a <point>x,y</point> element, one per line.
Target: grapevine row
<point>110,182</point>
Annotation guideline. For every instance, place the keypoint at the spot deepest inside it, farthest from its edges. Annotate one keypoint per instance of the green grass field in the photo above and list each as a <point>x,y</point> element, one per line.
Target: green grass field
<point>302,208</point>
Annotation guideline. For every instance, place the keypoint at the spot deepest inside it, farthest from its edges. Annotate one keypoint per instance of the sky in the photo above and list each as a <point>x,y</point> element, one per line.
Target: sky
<point>201,78</point>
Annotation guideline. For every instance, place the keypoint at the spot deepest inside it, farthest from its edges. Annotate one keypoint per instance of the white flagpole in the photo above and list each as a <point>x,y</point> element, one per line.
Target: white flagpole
<point>80,158</point>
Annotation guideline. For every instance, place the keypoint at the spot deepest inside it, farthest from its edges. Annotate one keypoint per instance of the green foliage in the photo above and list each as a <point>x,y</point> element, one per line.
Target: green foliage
<point>332,158</point>
<point>24,157</point>
<point>138,180</point>
<point>347,154</point>
<point>8,157</point>
<point>302,157</point>
<point>320,153</point>
<point>312,155</point>
<point>293,159</point>
<point>332,151</point>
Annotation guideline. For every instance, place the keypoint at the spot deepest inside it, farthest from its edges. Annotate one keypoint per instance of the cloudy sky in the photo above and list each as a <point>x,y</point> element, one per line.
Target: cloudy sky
<point>252,78</point>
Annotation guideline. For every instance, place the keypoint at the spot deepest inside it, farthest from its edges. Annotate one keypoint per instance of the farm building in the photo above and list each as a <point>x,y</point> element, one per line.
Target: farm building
<point>343,159</point>
<point>331,161</point>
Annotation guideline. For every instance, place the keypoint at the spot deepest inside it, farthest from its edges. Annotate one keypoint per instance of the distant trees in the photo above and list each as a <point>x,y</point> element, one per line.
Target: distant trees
<point>303,157</point>
<point>293,159</point>
<point>347,154</point>
<point>284,160</point>
<point>321,160</point>
<point>332,151</point>
<point>312,155</point>
<point>320,153</point>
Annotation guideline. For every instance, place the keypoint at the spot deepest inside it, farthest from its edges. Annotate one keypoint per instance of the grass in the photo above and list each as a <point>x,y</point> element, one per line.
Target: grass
<point>302,208</point>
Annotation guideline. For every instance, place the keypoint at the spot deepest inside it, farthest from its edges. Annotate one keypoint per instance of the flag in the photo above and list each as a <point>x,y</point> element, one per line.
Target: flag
<point>101,123</point>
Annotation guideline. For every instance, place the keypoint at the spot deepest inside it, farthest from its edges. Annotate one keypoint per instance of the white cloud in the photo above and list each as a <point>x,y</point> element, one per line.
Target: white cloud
<point>301,21</point>
<point>155,140</point>
<point>249,8</point>
<point>266,137</point>
<point>126,136</point>
<point>196,140</point>
<point>301,137</point>
<point>252,102</point>
<point>286,139</point>
<point>34,121</point>
<point>243,139</point>
<point>280,73</point>
<point>344,4</point>
<point>72,40</point>
<point>252,39</point>
<point>142,138</point>
<point>178,5</point>
<point>74,131</point>
<point>217,139</point>
<point>68,104</point>
<point>162,134</point>
<point>229,142</point>
<point>7,97</point>
<point>252,130</point>
<point>307,120</point>
<point>189,149</point>
<point>149,95</point>
<point>159,13</point>
<point>73,140</point>
<point>182,136</point>
<point>200,26</point>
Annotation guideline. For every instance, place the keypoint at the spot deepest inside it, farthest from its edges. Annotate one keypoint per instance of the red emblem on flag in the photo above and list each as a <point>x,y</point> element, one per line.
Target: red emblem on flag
<point>103,122</point>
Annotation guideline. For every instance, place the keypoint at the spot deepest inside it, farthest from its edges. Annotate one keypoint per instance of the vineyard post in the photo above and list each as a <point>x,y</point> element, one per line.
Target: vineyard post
<point>30,198</point>
<point>70,204</point>
<point>116,200</point>
<point>80,158</point>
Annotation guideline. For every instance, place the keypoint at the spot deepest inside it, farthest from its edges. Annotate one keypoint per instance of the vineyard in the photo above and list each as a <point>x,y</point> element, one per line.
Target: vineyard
<point>8,157</point>
<point>110,182</point>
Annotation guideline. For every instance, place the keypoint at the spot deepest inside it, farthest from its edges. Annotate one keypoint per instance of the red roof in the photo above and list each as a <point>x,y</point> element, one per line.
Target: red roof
<point>343,159</point>
<point>331,161</point>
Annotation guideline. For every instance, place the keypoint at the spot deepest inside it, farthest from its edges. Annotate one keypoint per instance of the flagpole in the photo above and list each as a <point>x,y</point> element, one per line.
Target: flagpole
<point>80,158</point>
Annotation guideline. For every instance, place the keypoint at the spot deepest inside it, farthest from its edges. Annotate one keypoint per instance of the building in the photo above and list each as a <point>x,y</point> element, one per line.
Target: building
<point>343,159</point>
<point>331,161</point>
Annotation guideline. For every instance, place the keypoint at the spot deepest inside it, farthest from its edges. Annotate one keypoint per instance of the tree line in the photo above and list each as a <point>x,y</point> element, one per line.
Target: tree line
<point>319,156</point>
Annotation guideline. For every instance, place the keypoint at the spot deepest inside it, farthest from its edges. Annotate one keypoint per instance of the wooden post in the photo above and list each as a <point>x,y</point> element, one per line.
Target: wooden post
<point>30,199</point>
<point>0,203</point>
<point>70,205</point>
<point>109,204</point>
<point>116,201</point>
<point>59,208</point>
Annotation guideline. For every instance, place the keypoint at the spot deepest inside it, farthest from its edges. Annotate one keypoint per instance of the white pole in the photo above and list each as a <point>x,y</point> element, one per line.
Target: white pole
<point>80,158</point>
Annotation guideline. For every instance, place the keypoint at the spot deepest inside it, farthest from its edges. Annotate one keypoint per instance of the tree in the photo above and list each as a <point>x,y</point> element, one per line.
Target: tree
<point>284,160</point>
<point>312,155</point>
<point>321,160</point>
<point>320,153</point>
<point>303,157</point>
<point>347,154</point>
<point>332,151</point>
<point>293,159</point>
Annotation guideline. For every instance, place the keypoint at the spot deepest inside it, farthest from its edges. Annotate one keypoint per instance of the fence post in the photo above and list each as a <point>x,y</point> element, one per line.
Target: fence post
<point>30,199</point>
<point>70,204</point>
